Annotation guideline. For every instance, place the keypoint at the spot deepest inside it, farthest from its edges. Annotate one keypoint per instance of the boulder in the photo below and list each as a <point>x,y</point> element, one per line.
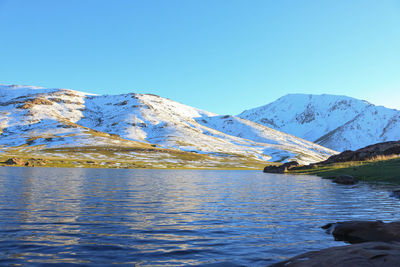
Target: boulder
<point>35,162</point>
<point>36,101</point>
<point>344,179</point>
<point>281,168</point>
<point>28,163</point>
<point>395,193</point>
<point>15,161</point>
<point>364,231</point>
<point>377,254</point>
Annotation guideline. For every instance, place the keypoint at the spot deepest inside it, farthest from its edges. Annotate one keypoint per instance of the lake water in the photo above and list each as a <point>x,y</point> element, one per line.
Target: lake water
<point>173,217</point>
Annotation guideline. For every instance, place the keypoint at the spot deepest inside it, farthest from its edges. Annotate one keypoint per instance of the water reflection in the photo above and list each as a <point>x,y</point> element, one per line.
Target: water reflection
<point>159,217</point>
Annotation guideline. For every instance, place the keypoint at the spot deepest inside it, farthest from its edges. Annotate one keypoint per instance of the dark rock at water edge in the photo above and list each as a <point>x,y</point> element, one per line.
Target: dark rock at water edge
<point>364,231</point>
<point>36,162</point>
<point>344,179</point>
<point>374,243</point>
<point>360,255</point>
<point>15,161</point>
<point>23,162</point>
<point>395,193</point>
<point>282,168</point>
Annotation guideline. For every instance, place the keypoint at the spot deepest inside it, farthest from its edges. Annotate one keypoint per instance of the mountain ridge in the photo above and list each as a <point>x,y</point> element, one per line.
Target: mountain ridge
<point>334,121</point>
<point>35,119</point>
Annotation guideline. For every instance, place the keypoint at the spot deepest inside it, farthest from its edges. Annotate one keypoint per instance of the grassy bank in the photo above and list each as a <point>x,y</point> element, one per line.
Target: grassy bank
<point>135,159</point>
<point>387,171</point>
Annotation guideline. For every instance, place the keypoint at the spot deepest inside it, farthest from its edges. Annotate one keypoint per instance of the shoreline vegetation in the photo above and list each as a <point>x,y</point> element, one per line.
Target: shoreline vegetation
<point>375,163</point>
<point>191,163</point>
<point>372,243</point>
<point>377,170</point>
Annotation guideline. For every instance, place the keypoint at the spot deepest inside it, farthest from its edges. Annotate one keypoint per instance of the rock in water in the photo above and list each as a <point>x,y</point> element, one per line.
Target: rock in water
<point>282,168</point>
<point>345,179</point>
<point>377,254</point>
<point>395,193</point>
<point>364,231</point>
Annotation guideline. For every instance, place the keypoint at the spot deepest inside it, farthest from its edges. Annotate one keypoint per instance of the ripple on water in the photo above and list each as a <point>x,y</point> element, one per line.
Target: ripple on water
<point>173,217</point>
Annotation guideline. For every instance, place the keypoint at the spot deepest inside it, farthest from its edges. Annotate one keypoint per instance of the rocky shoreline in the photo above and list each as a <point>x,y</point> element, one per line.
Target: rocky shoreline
<point>370,254</point>
<point>372,243</point>
<point>373,152</point>
<point>28,163</point>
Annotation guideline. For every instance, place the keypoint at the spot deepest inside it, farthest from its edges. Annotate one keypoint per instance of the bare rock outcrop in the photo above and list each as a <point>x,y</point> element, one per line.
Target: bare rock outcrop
<point>36,101</point>
<point>370,254</point>
<point>367,153</point>
<point>377,151</point>
<point>15,161</point>
<point>374,243</point>
<point>36,162</point>
<point>28,163</point>
<point>344,179</point>
<point>281,168</point>
<point>364,231</point>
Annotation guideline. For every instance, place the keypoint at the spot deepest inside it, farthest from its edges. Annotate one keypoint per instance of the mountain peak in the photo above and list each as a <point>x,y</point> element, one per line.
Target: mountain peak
<point>37,118</point>
<point>335,121</point>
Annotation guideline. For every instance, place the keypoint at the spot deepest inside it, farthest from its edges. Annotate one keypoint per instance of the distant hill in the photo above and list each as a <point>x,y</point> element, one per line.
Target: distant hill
<point>39,120</point>
<point>336,122</point>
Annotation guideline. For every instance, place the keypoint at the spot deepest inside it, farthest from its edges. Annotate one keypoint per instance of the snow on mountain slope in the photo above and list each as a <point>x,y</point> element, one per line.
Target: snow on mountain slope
<point>43,117</point>
<point>153,119</point>
<point>38,117</point>
<point>337,122</point>
<point>280,146</point>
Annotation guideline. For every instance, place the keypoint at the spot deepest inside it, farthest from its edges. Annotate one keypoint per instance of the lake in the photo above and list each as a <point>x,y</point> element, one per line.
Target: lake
<point>173,217</point>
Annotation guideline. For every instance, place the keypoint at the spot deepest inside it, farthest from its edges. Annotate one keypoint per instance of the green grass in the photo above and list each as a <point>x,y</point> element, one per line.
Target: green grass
<point>122,153</point>
<point>78,163</point>
<point>134,157</point>
<point>387,171</point>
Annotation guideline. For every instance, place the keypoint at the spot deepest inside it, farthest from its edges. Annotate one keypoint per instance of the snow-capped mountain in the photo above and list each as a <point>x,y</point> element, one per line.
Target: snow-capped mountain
<point>39,118</point>
<point>337,122</point>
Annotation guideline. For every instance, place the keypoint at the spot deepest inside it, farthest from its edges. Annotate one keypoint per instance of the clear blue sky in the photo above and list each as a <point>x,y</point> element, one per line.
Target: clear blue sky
<point>220,55</point>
